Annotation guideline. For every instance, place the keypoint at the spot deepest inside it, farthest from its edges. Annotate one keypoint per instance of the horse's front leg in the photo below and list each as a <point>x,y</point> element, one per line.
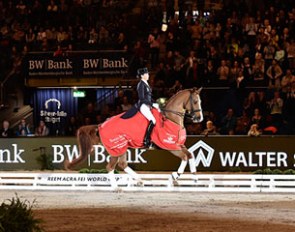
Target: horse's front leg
<point>186,157</point>
<point>124,166</point>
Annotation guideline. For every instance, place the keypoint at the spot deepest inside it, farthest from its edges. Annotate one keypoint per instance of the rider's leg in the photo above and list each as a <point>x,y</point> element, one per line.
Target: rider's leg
<point>145,110</point>
<point>147,136</point>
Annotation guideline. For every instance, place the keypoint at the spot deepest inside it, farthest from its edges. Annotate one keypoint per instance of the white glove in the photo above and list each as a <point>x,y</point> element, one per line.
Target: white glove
<point>156,106</point>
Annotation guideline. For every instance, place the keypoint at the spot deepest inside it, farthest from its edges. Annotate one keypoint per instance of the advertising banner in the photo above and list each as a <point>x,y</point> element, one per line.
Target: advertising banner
<point>54,107</point>
<point>228,153</point>
<point>76,64</point>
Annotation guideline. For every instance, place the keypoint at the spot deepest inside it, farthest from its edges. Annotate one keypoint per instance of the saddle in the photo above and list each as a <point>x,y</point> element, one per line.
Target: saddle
<point>130,113</point>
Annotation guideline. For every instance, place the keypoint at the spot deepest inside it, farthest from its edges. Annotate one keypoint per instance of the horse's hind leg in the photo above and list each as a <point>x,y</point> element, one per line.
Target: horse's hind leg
<point>111,168</point>
<point>124,166</point>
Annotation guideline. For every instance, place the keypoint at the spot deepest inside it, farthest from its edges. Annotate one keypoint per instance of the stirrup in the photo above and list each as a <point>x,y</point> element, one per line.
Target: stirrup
<point>147,143</point>
<point>150,146</point>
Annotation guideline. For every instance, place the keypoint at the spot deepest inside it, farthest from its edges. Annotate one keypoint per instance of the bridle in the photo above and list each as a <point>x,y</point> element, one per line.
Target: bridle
<point>191,115</point>
<point>192,112</point>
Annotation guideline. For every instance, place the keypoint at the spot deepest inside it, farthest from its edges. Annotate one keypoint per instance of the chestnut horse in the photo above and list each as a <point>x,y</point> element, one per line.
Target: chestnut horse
<point>185,103</point>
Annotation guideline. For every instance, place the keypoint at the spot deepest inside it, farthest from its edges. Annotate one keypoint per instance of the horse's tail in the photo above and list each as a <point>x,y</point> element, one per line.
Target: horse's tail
<point>87,137</point>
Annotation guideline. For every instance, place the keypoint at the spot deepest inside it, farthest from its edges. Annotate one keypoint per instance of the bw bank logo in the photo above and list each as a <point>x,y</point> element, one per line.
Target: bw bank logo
<point>203,153</point>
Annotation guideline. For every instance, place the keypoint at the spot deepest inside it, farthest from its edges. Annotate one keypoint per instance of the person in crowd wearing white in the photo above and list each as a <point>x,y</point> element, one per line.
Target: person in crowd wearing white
<point>5,131</point>
<point>254,132</point>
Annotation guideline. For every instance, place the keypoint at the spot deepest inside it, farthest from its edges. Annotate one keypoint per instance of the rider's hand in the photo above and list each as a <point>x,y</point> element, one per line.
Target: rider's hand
<point>156,106</point>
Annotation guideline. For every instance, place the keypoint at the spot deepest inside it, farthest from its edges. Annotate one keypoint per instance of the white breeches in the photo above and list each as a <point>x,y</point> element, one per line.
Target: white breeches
<point>145,110</point>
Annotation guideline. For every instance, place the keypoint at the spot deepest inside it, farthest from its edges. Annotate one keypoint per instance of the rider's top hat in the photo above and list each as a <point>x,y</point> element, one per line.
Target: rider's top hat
<point>141,71</point>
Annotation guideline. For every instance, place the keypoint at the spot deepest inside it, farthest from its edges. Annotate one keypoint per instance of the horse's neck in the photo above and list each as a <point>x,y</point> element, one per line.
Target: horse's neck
<point>175,104</point>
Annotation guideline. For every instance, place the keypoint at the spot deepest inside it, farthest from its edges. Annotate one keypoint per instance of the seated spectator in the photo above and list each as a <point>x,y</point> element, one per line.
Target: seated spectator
<point>210,78</point>
<point>247,70</point>
<point>261,103</point>
<point>245,119</point>
<point>179,62</point>
<point>269,54</point>
<point>121,42</point>
<point>234,72</point>
<point>271,128</point>
<point>194,128</point>
<point>240,128</point>
<point>210,129</point>
<point>281,56</point>
<point>71,127</point>
<point>125,104</point>
<point>103,36</point>
<point>23,128</point>
<point>228,123</point>
<point>276,108</point>
<point>287,81</point>
<point>119,99</point>
<point>257,118</point>
<point>154,47</point>
<point>5,131</point>
<point>161,76</point>
<point>254,132</point>
<point>290,49</point>
<point>176,87</point>
<point>93,36</point>
<point>250,103</point>
<point>239,82</point>
<point>42,129</point>
<point>89,113</point>
<point>58,52</point>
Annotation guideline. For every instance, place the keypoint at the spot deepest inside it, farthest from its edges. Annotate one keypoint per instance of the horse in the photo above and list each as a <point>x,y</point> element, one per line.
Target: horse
<point>185,103</point>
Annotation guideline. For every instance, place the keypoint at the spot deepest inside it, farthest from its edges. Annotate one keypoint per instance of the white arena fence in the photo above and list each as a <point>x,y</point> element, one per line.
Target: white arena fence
<point>150,182</point>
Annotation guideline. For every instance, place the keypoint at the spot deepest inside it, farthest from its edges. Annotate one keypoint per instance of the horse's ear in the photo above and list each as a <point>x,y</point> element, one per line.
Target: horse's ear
<point>198,90</point>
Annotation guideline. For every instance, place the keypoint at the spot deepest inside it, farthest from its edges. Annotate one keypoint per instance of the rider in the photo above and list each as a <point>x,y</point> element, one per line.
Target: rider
<point>145,103</point>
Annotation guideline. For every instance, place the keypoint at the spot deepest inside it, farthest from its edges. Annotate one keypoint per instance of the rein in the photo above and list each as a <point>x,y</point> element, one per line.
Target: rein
<point>174,112</point>
<point>189,115</point>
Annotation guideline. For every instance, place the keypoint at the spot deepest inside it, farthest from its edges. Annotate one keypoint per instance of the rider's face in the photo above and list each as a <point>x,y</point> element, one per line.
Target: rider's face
<point>145,76</point>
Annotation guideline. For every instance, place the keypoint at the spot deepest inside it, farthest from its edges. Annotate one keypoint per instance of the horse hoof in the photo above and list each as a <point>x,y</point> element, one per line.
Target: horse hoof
<point>117,189</point>
<point>139,183</point>
<point>175,176</point>
<point>175,183</point>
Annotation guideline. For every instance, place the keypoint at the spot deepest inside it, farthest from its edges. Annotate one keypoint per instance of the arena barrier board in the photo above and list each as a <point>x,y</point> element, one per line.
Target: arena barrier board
<point>150,182</point>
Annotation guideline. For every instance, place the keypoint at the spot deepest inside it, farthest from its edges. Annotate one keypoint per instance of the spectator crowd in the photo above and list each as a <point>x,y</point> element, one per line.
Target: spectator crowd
<point>246,49</point>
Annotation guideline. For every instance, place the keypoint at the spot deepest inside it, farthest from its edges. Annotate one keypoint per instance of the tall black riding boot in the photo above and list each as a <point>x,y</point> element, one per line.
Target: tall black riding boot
<point>147,137</point>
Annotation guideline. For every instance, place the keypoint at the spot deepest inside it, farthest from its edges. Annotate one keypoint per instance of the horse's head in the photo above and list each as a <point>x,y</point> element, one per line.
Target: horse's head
<point>193,105</point>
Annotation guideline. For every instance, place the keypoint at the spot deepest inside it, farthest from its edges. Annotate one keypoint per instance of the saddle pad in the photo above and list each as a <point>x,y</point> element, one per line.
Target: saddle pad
<point>118,134</point>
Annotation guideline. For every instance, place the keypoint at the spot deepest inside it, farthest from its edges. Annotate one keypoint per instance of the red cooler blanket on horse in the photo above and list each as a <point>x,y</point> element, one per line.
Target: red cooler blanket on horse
<point>118,134</point>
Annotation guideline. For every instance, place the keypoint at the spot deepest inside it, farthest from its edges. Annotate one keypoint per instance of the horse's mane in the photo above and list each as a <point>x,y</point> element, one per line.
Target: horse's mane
<point>176,95</point>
